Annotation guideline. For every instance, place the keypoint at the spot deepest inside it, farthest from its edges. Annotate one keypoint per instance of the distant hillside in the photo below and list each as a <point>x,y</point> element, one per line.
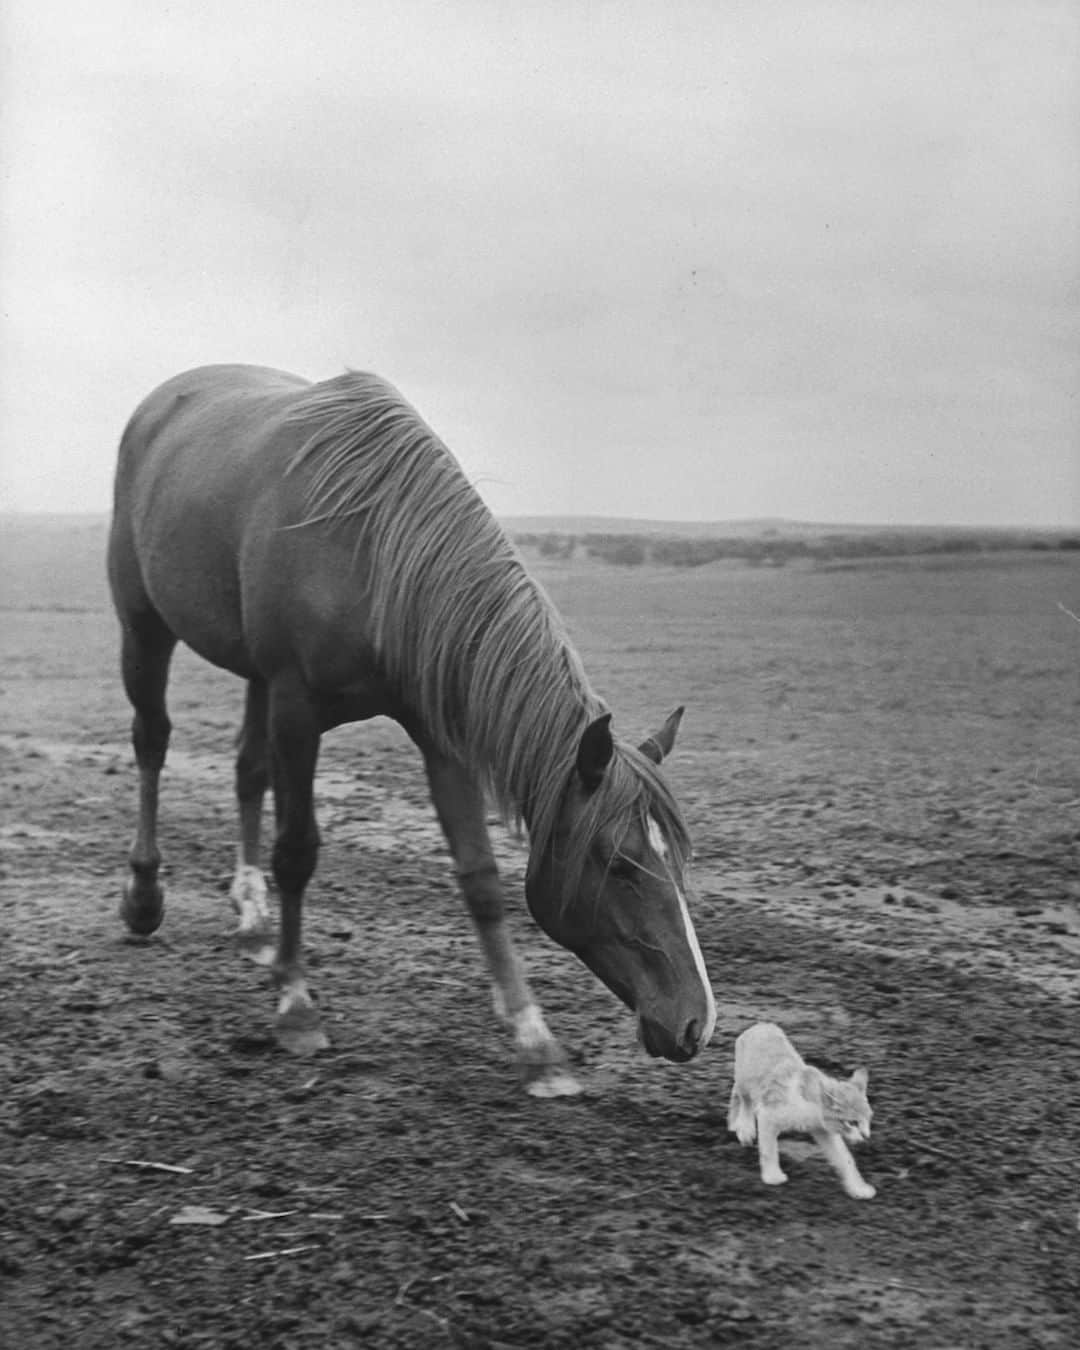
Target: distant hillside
<point>768,542</point>
<point>681,529</point>
<point>764,526</point>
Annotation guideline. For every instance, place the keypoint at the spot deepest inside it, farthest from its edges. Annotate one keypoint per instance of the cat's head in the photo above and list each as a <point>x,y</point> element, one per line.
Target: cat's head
<point>845,1108</point>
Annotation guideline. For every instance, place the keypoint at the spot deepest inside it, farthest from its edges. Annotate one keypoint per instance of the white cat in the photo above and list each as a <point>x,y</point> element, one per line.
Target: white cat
<point>776,1092</point>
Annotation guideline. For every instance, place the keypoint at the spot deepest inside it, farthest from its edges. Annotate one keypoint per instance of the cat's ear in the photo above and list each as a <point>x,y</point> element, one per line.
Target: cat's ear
<point>811,1085</point>
<point>860,1078</point>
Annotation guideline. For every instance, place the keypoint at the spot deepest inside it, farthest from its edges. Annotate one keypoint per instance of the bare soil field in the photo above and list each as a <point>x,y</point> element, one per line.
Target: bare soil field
<point>881,770</point>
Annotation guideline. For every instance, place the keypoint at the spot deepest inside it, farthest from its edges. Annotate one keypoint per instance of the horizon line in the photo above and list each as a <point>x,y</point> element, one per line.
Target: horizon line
<point>652,522</point>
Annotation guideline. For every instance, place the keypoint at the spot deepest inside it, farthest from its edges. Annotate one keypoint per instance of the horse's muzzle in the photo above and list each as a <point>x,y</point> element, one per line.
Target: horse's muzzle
<point>662,1044</point>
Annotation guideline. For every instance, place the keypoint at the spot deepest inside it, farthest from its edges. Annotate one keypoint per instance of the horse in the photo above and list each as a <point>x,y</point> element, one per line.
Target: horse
<point>319,541</point>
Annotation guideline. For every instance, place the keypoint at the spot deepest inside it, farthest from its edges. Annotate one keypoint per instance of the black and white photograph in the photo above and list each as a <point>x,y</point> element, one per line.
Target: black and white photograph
<point>540,674</point>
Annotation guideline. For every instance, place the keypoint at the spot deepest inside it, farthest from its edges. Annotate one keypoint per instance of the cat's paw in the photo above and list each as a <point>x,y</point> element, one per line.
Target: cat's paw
<point>863,1191</point>
<point>776,1178</point>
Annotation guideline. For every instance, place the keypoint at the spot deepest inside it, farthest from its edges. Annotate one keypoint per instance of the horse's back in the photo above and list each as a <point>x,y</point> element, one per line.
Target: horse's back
<point>201,478</point>
<point>199,416</point>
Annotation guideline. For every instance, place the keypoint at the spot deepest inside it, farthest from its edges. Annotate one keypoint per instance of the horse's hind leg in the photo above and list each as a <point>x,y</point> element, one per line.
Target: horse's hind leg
<point>459,804</point>
<point>145,655</point>
<point>293,729</point>
<point>248,891</point>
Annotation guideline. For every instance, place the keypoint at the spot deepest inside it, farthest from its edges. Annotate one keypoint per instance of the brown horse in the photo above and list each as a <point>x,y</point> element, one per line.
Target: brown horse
<point>321,542</point>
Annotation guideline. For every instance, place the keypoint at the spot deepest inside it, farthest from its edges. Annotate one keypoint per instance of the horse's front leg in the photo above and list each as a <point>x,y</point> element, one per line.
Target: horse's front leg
<point>459,804</point>
<point>293,733</point>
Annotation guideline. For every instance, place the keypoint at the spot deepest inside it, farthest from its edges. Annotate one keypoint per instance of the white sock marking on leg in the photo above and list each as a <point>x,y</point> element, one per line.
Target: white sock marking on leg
<point>530,1029</point>
<point>294,995</point>
<point>249,895</point>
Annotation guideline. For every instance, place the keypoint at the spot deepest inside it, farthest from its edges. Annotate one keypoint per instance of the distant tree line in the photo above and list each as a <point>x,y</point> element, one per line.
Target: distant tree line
<point>772,549</point>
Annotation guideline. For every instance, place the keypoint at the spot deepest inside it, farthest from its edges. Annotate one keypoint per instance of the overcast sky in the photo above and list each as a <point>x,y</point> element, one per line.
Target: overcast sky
<point>692,260</point>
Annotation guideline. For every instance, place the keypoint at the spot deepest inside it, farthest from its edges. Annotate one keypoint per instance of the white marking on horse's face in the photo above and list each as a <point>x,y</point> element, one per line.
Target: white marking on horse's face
<point>659,846</point>
<point>699,962</point>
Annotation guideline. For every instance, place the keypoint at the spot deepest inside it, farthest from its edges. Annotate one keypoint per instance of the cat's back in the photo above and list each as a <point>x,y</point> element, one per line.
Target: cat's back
<point>763,1051</point>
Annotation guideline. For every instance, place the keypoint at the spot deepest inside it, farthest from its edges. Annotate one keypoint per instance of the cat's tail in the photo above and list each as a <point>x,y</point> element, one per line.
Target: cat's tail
<point>740,1118</point>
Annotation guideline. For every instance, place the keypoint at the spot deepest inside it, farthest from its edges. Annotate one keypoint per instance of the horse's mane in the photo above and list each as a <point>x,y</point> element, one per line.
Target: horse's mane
<point>471,640</point>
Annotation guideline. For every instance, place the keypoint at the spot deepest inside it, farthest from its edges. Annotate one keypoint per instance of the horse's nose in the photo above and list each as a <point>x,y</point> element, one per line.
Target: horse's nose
<point>668,1041</point>
<point>691,1037</point>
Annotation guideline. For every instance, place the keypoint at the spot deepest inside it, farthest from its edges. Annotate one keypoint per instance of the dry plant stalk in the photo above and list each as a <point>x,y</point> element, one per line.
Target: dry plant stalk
<point>281,1251</point>
<point>154,1166</point>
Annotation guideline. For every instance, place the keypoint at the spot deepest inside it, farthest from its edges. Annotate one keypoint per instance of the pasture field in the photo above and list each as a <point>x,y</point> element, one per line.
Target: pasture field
<point>881,770</point>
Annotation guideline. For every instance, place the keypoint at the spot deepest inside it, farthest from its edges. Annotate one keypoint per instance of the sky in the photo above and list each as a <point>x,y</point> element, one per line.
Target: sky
<point>697,260</point>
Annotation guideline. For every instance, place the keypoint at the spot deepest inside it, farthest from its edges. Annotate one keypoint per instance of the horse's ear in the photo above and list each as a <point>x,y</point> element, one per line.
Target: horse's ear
<point>659,744</point>
<point>594,752</point>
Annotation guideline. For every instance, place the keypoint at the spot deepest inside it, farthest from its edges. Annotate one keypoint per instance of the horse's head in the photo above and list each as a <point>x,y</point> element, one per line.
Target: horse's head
<point>608,884</point>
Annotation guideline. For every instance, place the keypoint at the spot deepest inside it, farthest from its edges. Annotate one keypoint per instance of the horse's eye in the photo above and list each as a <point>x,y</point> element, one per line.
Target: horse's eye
<point>621,867</point>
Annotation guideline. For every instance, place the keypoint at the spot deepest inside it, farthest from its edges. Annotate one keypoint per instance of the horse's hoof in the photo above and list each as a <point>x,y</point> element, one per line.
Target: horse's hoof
<point>298,1028</point>
<point>302,1040</point>
<point>553,1082</point>
<point>142,906</point>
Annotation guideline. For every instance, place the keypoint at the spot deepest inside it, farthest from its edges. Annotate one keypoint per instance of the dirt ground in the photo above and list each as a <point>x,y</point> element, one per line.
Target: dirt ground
<point>881,769</point>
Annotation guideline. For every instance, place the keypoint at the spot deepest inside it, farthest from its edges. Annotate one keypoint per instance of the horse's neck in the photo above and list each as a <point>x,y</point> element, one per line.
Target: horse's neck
<point>534,763</point>
<point>529,741</point>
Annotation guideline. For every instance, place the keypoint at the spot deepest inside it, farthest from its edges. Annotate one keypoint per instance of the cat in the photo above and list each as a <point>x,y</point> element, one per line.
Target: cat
<point>776,1091</point>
